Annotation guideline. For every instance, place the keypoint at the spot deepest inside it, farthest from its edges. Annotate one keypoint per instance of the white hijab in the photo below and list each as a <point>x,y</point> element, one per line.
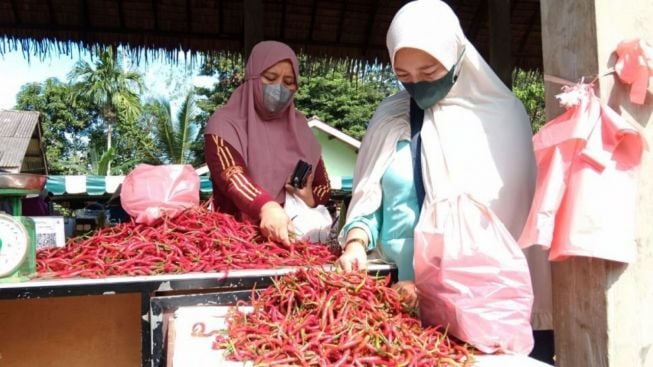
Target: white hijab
<point>476,141</point>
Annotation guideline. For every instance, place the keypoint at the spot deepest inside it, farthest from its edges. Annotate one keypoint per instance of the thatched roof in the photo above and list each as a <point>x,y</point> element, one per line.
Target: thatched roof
<point>336,28</point>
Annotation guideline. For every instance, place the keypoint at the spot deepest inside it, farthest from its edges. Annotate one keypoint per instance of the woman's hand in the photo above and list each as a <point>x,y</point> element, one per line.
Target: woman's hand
<point>275,224</point>
<point>305,193</point>
<point>355,251</point>
<point>408,293</point>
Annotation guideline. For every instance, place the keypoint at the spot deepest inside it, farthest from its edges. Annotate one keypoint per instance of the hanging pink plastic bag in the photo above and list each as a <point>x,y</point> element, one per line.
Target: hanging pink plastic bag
<point>635,67</point>
<point>150,192</point>
<point>588,162</point>
<point>472,277</point>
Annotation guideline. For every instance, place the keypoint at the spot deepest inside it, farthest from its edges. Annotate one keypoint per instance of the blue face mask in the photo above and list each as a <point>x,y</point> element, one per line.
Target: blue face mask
<point>276,97</point>
<point>426,94</point>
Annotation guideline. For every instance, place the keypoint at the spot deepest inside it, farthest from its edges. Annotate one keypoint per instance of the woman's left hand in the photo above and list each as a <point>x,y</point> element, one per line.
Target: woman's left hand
<point>305,193</point>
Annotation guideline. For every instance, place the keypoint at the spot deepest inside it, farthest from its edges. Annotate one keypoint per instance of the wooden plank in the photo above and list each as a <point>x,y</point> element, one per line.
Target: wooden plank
<point>532,20</point>
<point>477,21</point>
<point>253,21</point>
<point>71,331</point>
<point>121,14</point>
<point>599,306</point>
<point>311,29</point>
<point>155,14</point>
<point>500,39</point>
<point>341,21</point>
<point>629,289</point>
<point>189,16</point>
<point>577,307</point>
<point>284,9</point>
<point>14,9</point>
<point>53,17</point>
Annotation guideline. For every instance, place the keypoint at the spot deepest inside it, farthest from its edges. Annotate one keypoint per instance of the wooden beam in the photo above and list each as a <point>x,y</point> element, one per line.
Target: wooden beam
<point>341,21</point>
<point>53,18</point>
<point>85,15</point>
<point>121,14</point>
<point>500,39</point>
<point>313,16</point>
<point>477,21</point>
<point>14,9</point>
<point>221,10</point>
<point>370,26</point>
<point>155,14</point>
<point>189,16</point>
<point>253,21</point>
<point>284,9</point>
<point>532,20</point>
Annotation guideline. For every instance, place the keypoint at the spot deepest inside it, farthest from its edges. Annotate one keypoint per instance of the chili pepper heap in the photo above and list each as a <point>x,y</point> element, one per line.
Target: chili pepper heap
<point>198,240</point>
<point>317,318</point>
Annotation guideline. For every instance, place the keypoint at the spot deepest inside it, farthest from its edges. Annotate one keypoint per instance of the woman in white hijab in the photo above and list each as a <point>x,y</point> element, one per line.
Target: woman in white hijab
<point>474,138</point>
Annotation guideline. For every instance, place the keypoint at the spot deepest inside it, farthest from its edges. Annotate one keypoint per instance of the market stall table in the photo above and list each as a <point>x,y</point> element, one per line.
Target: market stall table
<point>159,294</point>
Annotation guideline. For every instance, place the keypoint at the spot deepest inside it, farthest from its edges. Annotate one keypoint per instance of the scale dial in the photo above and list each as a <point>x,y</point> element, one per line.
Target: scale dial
<point>14,244</point>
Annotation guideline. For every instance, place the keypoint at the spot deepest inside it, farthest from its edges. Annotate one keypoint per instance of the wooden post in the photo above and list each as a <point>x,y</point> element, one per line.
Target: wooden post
<point>602,314</point>
<point>253,23</point>
<point>500,39</point>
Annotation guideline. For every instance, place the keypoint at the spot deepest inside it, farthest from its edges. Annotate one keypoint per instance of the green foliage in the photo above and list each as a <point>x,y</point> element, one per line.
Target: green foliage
<point>76,118</point>
<point>344,99</point>
<point>100,163</point>
<point>65,126</point>
<point>173,138</point>
<point>528,86</point>
<point>111,89</point>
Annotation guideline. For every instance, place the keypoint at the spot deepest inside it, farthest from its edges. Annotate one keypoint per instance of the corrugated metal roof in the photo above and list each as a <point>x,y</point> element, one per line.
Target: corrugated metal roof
<point>16,131</point>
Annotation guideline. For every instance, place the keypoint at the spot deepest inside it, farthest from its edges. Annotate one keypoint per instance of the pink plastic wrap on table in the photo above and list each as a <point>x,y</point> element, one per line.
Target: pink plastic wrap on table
<point>150,192</point>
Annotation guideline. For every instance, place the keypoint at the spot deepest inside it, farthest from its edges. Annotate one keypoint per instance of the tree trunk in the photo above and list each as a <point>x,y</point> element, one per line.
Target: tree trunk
<point>109,133</point>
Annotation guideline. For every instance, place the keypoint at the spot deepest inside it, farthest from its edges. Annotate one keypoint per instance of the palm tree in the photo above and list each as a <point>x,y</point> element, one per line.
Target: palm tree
<point>111,89</point>
<point>174,138</point>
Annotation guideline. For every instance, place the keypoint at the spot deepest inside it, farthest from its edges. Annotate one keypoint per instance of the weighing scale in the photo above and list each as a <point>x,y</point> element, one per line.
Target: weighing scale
<point>17,233</point>
<point>17,248</point>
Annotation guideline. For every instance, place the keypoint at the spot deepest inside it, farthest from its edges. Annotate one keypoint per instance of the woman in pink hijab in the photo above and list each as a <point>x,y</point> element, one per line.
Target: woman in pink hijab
<point>253,143</point>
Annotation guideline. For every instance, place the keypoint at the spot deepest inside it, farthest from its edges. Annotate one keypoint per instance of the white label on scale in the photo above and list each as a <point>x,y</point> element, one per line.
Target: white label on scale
<point>14,244</point>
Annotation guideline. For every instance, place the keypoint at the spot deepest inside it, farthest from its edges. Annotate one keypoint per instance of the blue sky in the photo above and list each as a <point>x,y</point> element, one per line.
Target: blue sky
<point>161,79</point>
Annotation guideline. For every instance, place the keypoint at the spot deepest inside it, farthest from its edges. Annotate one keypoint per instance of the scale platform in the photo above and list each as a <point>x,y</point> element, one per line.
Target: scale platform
<point>17,248</point>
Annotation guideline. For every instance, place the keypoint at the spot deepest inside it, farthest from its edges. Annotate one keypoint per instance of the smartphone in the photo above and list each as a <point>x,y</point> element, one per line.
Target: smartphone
<point>300,174</point>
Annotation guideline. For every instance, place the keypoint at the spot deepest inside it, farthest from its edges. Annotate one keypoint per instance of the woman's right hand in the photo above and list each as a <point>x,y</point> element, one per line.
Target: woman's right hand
<point>354,255</point>
<point>275,224</point>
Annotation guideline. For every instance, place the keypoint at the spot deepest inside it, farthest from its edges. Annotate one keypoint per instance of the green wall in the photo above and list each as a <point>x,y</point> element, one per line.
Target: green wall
<point>339,157</point>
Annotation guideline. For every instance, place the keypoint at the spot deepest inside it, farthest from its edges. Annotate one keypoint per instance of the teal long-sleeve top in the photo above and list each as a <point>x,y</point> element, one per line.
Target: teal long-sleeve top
<point>391,225</point>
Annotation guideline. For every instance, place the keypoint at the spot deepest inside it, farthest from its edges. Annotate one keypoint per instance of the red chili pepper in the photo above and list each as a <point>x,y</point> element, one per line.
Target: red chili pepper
<point>196,240</point>
<point>317,318</point>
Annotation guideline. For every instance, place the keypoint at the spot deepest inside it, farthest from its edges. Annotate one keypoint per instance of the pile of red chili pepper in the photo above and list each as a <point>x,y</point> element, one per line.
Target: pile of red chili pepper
<point>197,240</point>
<point>318,318</point>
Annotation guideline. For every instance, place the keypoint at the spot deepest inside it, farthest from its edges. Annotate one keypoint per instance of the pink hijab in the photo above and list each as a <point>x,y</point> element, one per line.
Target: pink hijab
<point>270,144</point>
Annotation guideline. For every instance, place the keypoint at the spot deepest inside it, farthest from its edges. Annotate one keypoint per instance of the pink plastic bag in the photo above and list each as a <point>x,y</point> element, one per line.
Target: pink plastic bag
<point>473,278</point>
<point>635,67</point>
<point>150,192</point>
<point>588,162</point>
